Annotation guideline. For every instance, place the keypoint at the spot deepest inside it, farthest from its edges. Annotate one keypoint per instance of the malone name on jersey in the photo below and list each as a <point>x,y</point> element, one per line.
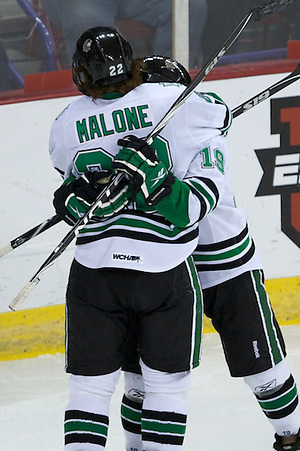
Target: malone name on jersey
<point>119,121</point>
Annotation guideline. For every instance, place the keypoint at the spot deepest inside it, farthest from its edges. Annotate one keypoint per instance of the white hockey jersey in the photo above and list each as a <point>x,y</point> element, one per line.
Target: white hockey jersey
<point>84,136</point>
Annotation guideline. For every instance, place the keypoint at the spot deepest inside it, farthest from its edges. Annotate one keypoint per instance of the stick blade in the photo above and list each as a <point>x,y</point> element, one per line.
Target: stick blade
<point>24,293</point>
<point>274,6</point>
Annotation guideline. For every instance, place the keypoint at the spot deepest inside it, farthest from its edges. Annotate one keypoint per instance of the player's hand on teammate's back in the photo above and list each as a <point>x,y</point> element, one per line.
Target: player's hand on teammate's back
<point>74,197</point>
<point>138,159</point>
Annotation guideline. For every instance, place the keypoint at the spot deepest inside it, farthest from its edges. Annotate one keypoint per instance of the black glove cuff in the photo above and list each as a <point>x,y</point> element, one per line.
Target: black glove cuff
<point>162,191</point>
<point>59,199</point>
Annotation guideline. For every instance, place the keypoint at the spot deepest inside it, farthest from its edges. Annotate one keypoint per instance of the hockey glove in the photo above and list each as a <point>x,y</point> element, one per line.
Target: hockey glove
<point>139,161</point>
<point>74,197</point>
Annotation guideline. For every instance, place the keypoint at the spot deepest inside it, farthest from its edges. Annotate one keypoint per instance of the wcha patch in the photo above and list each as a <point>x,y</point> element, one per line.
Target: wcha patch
<point>281,166</point>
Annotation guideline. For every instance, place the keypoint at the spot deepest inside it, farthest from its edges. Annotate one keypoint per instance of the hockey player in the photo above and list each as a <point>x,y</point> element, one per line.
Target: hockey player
<point>235,298</point>
<point>133,257</point>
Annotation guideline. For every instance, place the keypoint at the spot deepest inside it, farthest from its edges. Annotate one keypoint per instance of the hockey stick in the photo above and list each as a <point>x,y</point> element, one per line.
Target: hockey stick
<point>257,13</point>
<point>264,95</point>
<point>242,108</point>
<point>42,227</point>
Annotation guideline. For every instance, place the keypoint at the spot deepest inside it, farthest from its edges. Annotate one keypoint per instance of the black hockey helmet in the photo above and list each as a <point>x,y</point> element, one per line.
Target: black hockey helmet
<point>105,56</point>
<point>161,68</point>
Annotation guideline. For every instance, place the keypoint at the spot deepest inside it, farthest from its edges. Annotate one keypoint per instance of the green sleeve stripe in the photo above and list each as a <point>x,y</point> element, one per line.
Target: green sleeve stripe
<point>205,192</point>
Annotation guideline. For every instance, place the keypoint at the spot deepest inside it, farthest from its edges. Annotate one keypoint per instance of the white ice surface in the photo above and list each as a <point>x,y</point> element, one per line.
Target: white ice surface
<point>223,414</point>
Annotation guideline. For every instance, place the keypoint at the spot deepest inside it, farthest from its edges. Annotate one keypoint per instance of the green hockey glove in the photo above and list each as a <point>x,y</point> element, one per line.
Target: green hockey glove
<point>74,197</point>
<point>139,161</point>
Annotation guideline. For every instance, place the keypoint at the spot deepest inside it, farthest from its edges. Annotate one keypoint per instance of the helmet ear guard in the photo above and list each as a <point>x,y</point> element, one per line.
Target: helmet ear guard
<point>102,58</point>
<point>80,77</point>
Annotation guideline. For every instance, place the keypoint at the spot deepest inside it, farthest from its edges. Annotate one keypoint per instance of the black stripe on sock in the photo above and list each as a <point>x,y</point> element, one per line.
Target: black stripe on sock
<point>163,439</point>
<point>85,438</point>
<point>131,427</point>
<point>171,417</point>
<point>133,404</point>
<point>282,413</point>
<point>81,415</point>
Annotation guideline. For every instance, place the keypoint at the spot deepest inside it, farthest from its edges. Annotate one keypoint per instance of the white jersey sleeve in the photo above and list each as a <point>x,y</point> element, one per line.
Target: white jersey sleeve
<point>225,247</point>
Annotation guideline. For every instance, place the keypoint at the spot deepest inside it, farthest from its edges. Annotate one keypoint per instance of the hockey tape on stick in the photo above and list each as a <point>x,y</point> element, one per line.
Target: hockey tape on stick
<point>6,249</point>
<point>257,13</point>
<point>264,95</point>
<point>42,227</point>
<point>24,293</point>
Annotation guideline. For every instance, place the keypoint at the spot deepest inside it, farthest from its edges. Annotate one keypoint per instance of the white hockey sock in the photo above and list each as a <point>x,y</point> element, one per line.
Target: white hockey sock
<point>87,413</point>
<point>276,393</point>
<point>164,413</point>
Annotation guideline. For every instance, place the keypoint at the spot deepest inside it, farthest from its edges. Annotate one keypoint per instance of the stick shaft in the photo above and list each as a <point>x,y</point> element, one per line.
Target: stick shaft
<point>274,6</point>
<point>42,227</point>
<point>264,95</point>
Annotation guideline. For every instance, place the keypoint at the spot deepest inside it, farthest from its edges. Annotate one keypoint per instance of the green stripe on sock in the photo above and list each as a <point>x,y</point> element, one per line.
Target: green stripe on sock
<point>278,403</point>
<point>131,414</point>
<point>86,426</point>
<point>166,428</point>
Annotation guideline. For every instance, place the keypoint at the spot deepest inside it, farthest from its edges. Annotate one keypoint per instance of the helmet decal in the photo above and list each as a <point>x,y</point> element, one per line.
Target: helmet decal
<point>87,45</point>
